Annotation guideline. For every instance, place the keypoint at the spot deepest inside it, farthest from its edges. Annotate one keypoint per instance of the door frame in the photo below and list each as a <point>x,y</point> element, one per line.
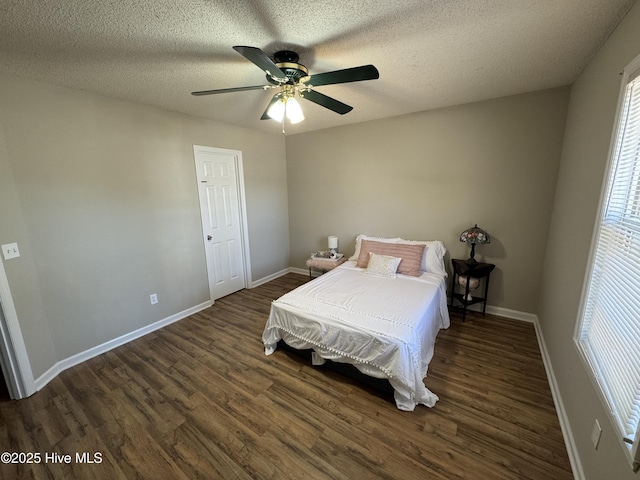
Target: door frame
<point>242,211</point>
<point>14,360</point>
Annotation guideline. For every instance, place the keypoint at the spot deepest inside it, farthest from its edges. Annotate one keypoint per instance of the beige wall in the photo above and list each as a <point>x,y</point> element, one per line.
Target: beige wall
<point>430,175</point>
<point>589,128</point>
<point>21,272</point>
<point>101,196</point>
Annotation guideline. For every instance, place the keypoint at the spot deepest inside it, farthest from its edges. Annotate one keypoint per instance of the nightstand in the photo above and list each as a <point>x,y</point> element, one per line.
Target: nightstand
<point>324,264</point>
<point>479,271</point>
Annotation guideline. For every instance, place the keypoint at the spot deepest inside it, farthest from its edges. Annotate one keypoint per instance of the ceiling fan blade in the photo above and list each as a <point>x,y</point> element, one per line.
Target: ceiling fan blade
<point>275,98</point>
<point>259,58</point>
<point>327,102</point>
<point>355,74</point>
<point>227,90</point>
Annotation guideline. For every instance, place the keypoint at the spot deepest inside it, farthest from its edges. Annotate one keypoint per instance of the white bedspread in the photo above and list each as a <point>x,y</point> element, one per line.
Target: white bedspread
<point>386,327</point>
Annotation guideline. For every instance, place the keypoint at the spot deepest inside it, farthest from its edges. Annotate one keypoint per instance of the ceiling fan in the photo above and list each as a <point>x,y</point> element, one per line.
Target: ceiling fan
<point>292,79</point>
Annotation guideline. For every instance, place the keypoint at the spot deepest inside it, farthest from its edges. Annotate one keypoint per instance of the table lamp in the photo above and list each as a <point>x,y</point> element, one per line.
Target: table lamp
<point>333,244</point>
<point>474,235</point>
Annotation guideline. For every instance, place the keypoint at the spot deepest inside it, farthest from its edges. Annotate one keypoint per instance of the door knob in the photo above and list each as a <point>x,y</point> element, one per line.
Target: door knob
<point>209,237</point>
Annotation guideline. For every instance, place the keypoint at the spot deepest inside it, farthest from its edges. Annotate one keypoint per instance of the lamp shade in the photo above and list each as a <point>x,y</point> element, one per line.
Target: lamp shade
<point>276,111</point>
<point>294,112</point>
<point>475,236</point>
<point>332,241</point>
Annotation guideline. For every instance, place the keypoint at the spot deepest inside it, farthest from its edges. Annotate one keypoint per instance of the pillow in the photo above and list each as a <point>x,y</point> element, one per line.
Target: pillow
<point>383,265</point>
<point>411,255</point>
<point>433,258</point>
<point>361,237</point>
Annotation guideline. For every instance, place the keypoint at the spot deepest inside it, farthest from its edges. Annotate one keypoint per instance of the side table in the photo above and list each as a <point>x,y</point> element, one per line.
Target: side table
<point>324,264</point>
<point>479,271</point>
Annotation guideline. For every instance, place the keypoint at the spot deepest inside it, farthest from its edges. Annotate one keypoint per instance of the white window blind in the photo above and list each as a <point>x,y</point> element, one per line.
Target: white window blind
<point>609,332</point>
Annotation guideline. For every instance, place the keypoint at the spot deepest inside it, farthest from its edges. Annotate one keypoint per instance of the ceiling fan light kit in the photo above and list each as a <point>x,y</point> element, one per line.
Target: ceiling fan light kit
<point>285,106</point>
<point>293,79</point>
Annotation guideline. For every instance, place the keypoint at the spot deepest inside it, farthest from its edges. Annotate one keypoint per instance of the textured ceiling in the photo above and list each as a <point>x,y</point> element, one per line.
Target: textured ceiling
<point>430,54</point>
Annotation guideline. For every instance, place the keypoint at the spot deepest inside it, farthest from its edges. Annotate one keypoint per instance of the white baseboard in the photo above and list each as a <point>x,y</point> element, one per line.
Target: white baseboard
<point>515,314</point>
<point>301,271</point>
<point>62,365</point>
<point>567,433</point>
<point>268,278</point>
<point>279,274</point>
<point>504,312</point>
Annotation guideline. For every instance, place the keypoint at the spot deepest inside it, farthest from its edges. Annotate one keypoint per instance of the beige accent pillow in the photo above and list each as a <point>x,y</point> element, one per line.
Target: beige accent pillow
<point>411,255</point>
<point>383,265</point>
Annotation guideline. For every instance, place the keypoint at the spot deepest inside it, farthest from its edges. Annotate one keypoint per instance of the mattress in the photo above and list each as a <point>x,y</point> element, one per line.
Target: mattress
<point>385,327</point>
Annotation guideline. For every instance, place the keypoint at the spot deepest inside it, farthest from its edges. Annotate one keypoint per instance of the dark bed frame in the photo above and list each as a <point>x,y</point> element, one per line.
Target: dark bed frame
<point>344,369</point>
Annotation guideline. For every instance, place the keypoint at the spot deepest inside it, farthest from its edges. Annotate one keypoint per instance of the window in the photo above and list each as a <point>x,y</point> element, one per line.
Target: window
<point>608,333</point>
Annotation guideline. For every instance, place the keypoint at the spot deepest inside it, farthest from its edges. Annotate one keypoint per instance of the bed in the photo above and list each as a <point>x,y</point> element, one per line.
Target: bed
<point>381,319</point>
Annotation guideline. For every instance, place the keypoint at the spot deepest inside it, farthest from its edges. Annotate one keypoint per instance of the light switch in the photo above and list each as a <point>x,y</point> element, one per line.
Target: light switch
<point>10,250</point>
<point>596,434</point>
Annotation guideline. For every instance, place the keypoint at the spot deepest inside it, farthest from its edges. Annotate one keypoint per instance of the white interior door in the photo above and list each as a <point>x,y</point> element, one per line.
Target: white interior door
<point>16,367</point>
<point>221,205</point>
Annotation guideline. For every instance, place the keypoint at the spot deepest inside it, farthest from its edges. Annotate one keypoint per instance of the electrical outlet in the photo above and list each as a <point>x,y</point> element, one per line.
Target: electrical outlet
<point>596,433</point>
<point>10,250</point>
<point>153,298</point>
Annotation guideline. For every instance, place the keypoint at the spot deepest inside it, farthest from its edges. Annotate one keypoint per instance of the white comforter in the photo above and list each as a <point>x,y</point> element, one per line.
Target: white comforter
<point>386,327</point>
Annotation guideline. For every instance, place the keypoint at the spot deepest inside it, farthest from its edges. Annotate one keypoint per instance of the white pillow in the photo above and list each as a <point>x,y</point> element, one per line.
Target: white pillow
<point>383,265</point>
<point>361,237</point>
<point>433,256</point>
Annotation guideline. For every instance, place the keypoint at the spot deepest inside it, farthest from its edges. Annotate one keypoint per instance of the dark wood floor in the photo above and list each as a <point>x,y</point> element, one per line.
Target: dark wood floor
<point>199,399</point>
